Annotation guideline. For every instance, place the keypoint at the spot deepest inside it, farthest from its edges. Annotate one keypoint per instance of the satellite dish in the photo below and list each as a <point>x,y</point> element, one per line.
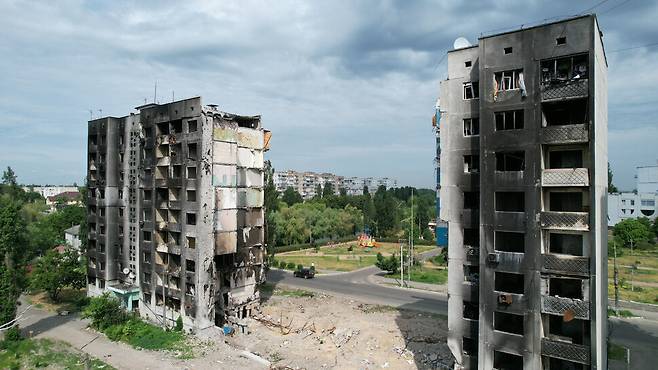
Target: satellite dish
<point>126,270</point>
<point>461,43</point>
<point>131,275</point>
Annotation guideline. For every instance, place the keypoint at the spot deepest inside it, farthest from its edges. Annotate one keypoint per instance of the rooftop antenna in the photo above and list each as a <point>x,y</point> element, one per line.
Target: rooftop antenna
<point>91,114</point>
<point>172,96</point>
<point>155,91</point>
<point>100,111</point>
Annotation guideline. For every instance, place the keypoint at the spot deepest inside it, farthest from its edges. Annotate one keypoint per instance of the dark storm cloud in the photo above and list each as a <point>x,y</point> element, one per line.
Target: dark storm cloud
<point>346,86</point>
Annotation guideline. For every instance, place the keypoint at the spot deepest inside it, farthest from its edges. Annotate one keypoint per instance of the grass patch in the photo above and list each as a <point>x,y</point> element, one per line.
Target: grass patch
<point>376,308</point>
<point>300,293</point>
<point>140,334</point>
<point>45,353</point>
<point>621,313</point>
<point>616,352</point>
<point>638,294</point>
<point>332,263</point>
<point>425,274</point>
<point>72,300</point>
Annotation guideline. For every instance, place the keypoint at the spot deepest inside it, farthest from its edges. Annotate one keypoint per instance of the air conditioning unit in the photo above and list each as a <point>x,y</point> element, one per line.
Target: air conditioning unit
<point>493,258</point>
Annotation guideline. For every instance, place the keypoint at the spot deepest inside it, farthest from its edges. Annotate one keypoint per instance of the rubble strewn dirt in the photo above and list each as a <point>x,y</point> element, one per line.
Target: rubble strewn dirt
<point>322,331</point>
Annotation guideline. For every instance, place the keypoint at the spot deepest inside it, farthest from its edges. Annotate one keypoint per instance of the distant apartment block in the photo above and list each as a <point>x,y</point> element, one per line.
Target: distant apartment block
<point>175,212</point>
<point>49,191</point>
<point>523,189</point>
<point>306,183</point>
<point>642,203</point>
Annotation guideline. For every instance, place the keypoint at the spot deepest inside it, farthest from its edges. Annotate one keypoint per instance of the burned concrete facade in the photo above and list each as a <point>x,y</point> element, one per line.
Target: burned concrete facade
<point>523,190</point>
<point>175,212</point>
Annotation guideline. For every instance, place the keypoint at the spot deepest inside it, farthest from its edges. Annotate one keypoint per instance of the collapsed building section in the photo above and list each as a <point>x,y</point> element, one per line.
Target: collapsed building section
<point>176,218</point>
<point>524,194</point>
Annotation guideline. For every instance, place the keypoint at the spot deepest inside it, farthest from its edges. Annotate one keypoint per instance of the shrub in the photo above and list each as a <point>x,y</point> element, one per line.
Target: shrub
<point>13,334</point>
<point>104,311</point>
<point>300,267</point>
<point>179,324</point>
<point>389,264</point>
<point>291,266</point>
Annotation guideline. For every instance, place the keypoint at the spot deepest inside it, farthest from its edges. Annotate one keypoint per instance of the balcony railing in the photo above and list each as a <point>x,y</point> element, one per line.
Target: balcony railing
<point>559,306</point>
<point>565,134</point>
<point>554,90</point>
<point>566,351</point>
<point>565,220</point>
<point>565,264</point>
<point>565,177</point>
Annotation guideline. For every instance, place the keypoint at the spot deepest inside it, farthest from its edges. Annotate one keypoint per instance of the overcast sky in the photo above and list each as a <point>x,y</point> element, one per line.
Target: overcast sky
<point>346,86</point>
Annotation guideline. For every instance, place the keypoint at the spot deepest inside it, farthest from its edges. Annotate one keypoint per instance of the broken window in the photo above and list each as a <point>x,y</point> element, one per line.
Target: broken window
<point>147,236</point>
<point>571,244</point>
<point>471,163</point>
<point>507,241</point>
<point>573,331</point>
<point>174,238</point>
<point>508,80</point>
<point>191,195</point>
<point>470,310</point>
<point>509,120</point>
<point>191,126</point>
<point>565,158</point>
<point>173,194</point>
<point>510,201</point>
<point>564,68</point>
<point>147,257</point>
<point>192,151</point>
<point>176,126</point>
<point>163,128</point>
<point>469,346</point>
<point>147,298</point>
<point>176,171</point>
<point>148,194</point>
<point>471,199</point>
<point>471,126</point>
<point>191,218</point>
<point>189,289</point>
<point>471,90</point>
<point>190,265</point>
<point>507,361</point>
<point>102,230</point>
<point>174,216</point>
<point>472,237</point>
<point>472,274</point>
<point>161,258</point>
<point>508,282</point>
<point>566,288</point>
<point>566,201</point>
<point>561,40</point>
<point>508,322</point>
<point>162,172</point>
<point>191,242</point>
<point>570,112</point>
<point>191,172</point>
<point>510,161</point>
<point>467,63</point>
<point>507,50</point>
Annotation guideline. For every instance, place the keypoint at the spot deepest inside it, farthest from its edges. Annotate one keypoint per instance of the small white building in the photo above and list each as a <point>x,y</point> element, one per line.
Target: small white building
<point>642,203</point>
<point>72,237</point>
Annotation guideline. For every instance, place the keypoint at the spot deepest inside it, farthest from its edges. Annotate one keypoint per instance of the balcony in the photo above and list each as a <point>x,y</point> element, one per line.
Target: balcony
<point>565,177</point>
<point>558,306</point>
<point>565,264</point>
<point>565,350</point>
<point>564,134</point>
<point>578,221</point>
<point>163,161</point>
<point>562,90</point>
<point>173,226</point>
<point>174,204</point>
<point>508,178</point>
<point>93,148</point>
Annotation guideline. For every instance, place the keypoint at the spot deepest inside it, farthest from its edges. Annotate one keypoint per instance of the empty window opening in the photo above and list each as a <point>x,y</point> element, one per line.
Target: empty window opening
<point>569,331</point>
<point>507,361</point>
<point>468,63</point>
<point>176,126</point>
<point>148,195</point>
<point>175,150</point>
<point>471,127</point>
<point>471,90</point>
<point>161,258</point>
<point>559,364</point>
<point>472,237</point>
<point>508,282</point>
<point>564,69</point>
<point>510,201</point>
<point>509,80</point>
<point>174,194</point>
<point>471,163</point>
<point>174,262</point>
<point>102,230</point>
<point>571,244</point>
<point>570,112</point>
<point>508,322</point>
<point>471,199</point>
<point>190,265</point>
<point>162,194</point>
<point>192,151</point>
<point>191,172</point>
<point>174,216</point>
<point>147,257</point>
<point>505,241</point>
<point>191,126</point>
<point>191,242</point>
<point>470,310</point>
<point>191,218</point>
<point>176,171</point>
<point>510,161</point>
<point>566,201</point>
<point>561,40</point>
<point>93,140</point>
<point>147,236</point>
<point>565,159</point>
<point>469,346</point>
<point>566,288</point>
<point>163,128</point>
<point>472,274</point>
<point>161,172</point>
<point>148,132</point>
<point>508,50</point>
<point>191,195</point>
<point>509,120</point>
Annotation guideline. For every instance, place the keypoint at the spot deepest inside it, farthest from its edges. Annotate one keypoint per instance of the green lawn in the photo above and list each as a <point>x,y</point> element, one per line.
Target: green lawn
<point>140,334</point>
<point>616,352</point>
<point>638,294</point>
<point>425,274</point>
<point>331,263</point>
<point>45,353</point>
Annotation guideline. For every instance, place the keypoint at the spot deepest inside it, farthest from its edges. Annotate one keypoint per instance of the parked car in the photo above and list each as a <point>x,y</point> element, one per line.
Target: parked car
<point>305,273</point>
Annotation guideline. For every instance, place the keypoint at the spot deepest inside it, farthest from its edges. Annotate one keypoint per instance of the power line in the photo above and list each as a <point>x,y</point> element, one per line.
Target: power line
<point>594,7</point>
<point>614,7</point>
<point>633,47</point>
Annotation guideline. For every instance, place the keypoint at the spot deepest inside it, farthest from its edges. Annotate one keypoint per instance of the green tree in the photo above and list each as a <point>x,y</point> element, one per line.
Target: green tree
<point>12,243</point>
<point>390,264</point>
<point>9,177</point>
<point>291,197</point>
<point>632,231</point>
<point>611,187</point>
<point>271,195</point>
<point>56,271</point>
<point>318,191</point>
<point>385,214</point>
<point>328,190</point>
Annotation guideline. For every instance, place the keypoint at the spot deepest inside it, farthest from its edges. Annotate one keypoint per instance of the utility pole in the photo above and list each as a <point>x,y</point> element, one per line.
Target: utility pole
<point>401,265</point>
<point>616,277</point>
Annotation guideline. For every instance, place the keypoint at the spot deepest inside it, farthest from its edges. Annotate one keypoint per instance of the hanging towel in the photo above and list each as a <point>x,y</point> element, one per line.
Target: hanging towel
<point>522,85</point>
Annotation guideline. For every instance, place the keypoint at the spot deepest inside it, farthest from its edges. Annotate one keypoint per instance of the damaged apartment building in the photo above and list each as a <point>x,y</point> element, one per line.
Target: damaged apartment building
<point>523,190</point>
<point>175,212</point>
